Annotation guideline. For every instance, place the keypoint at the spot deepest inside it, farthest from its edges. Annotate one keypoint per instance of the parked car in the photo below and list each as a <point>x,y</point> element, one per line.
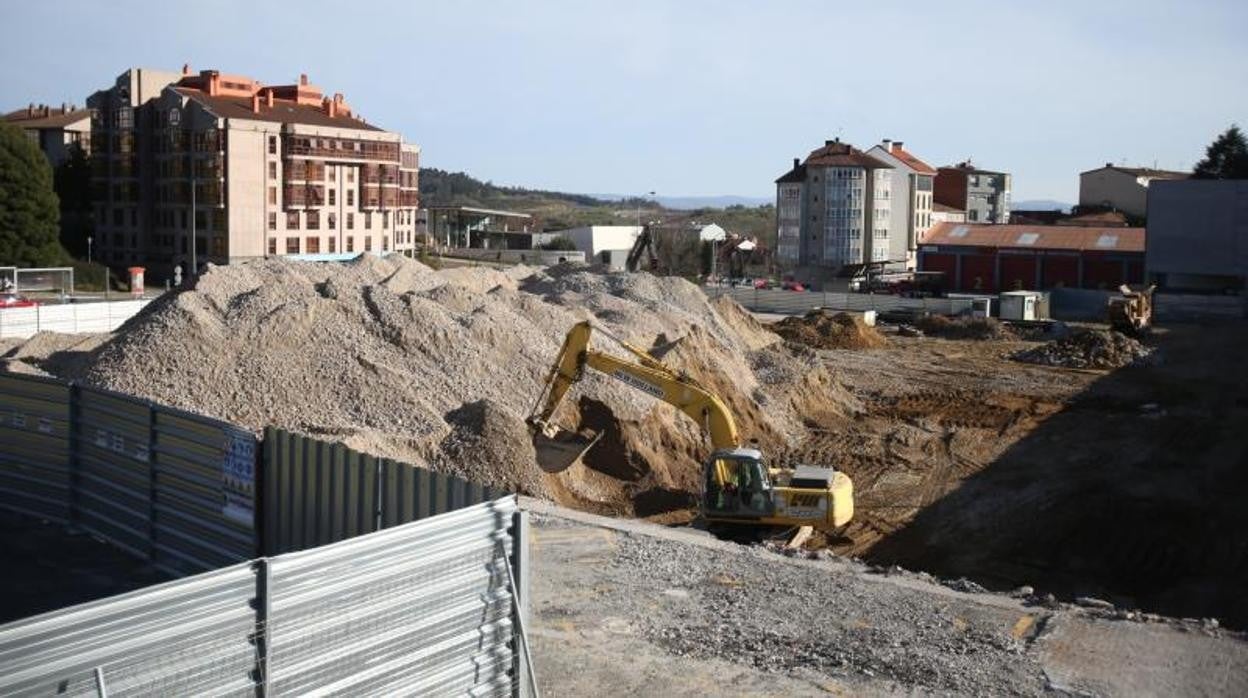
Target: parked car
<point>760,283</point>
<point>12,300</point>
<point>791,285</point>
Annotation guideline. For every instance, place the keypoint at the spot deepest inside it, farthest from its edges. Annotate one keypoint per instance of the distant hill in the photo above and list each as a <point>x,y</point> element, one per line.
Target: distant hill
<point>555,210</point>
<point>1039,205</point>
<point>686,203</point>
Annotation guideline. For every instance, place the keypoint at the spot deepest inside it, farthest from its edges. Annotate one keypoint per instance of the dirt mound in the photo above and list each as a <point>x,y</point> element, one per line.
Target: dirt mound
<point>1102,349</point>
<point>440,368</point>
<point>964,328</point>
<point>823,330</point>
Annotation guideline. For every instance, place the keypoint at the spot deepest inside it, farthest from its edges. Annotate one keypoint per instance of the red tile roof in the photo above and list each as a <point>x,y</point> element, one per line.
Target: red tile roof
<point>282,111</point>
<point>838,154</point>
<point>54,119</point>
<point>1037,237</point>
<point>937,206</point>
<point>911,161</point>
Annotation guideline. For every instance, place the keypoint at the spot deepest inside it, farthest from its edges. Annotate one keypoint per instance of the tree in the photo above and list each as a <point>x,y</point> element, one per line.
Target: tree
<point>1225,158</point>
<point>72,181</point>
<point>29,210</point>
<point>559,243</point>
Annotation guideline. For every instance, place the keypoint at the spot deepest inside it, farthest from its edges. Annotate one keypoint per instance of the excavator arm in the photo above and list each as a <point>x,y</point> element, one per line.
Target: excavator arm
<point>558,449</point>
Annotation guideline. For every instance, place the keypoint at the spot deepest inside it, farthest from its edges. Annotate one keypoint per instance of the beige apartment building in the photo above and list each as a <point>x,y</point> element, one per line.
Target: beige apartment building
<point>246,170</point>
<point>56,130</point>
<point>1122,189</point>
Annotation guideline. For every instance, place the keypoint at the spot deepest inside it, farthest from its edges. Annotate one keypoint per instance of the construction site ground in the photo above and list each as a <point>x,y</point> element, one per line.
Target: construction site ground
<point>632,608</point>
<point>1126,485</point>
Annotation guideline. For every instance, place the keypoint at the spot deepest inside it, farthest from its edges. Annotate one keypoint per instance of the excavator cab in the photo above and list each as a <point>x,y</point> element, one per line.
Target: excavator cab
<point>736,484</point>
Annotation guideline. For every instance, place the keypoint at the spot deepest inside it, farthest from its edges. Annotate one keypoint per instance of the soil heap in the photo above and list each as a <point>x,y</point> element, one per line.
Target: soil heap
<point>820,329</point>
<point>440,368</point>
<point>982,328</point>
<point>1100,349</point>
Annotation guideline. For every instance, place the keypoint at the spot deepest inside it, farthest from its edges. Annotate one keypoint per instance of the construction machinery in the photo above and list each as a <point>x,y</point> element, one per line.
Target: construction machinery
<point>737,485</point>
<point>1132,312</point>
<point>643,245</point>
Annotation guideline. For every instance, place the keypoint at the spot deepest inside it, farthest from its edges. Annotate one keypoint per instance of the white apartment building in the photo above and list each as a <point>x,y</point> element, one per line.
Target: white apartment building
<point>912,182</point>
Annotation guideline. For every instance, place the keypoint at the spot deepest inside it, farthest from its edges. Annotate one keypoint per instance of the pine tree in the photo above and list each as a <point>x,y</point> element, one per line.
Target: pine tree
<point>1225,158</point>
<point>29,210</point>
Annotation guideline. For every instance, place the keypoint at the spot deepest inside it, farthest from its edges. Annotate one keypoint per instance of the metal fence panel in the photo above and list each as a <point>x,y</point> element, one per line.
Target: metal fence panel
<point>68,318</point>
<point>189,637</point>
<point>317,493</point>
<point>424,608</point>
<point>113,489</point>
<point>204,491</point>
<point>35,458</point>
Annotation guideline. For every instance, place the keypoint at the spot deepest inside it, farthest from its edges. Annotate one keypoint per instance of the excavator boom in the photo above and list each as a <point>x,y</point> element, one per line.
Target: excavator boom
<point>559,449</point>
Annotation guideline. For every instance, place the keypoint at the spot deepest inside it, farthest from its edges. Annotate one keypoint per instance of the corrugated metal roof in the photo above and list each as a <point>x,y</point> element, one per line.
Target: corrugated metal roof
<point>1037,237</point>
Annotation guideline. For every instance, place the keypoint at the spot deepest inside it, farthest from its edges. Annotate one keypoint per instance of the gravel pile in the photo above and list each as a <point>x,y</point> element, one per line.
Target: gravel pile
<point>440,368</point>
<point>823,330</point>
<point>1100,349</point>
<point>980,328</point>
<point>751,608</point>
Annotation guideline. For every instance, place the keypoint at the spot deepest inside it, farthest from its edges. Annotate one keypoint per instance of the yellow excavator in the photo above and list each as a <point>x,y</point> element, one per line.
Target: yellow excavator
<point>737,486</point>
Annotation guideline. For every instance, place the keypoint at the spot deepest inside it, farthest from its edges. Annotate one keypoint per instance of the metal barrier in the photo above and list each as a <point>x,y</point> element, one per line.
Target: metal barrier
<point>175,488</point>
<point>102,316</point>
<point>35,477</point>
<point>316,492</point>
<point>429,608</point>
<point>800,302</point>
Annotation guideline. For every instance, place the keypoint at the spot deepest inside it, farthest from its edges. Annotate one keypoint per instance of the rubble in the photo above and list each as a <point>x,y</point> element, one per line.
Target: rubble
<point>963,327</point>
<point>1099,349</point>
<point>823,330</point>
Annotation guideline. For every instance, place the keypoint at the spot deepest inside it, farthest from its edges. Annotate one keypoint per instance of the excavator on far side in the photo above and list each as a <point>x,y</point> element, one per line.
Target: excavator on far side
<point>737,485</point>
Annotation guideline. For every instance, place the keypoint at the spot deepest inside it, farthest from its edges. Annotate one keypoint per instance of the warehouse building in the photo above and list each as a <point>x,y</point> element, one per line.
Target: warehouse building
<point>1014,257</point>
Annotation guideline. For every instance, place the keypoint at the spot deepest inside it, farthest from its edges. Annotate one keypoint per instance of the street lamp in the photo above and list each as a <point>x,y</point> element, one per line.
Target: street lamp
<point>175,119</point>
<point>89,250</point>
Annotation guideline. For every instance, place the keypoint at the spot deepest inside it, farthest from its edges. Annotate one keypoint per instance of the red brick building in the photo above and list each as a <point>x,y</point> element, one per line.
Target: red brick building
<point>1014,257</point>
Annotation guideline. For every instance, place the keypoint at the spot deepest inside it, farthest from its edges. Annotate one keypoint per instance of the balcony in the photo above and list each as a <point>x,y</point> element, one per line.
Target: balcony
<point>340,149</point>
<point>409,198</point>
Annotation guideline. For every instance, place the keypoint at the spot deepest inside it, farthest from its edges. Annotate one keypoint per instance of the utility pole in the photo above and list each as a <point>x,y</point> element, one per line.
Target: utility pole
<point>639,208</point>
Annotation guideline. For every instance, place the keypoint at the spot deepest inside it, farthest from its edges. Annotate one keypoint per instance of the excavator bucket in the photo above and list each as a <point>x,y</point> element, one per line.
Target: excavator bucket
<point>558,453</point>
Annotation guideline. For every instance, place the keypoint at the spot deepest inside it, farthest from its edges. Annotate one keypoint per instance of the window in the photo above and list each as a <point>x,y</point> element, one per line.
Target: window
<point>385,243</point>
<point>184,221</point>
<point>272,196</point>
<point>972,215</point>
<point>385,220</point>
<point>350,243</point>
<point>272,246</point>
<point>329,174</point>
<point>272,170</point>
<point>201,220</point>
<point>350,197</point>
<point>351,174</point>
<point>350,221</point>
<point>333,221</point>
<point>118,217</point>
<point>312,245</point>
<point>292,245</point>
<point>292,220</point>
<point>219,246</point>
<point>333,197</point>
<point>368,243</point>
<point>314,220</point>
<point>272,221</point>
<point>134,216</point>
<point>272,145</point>
<point>368,219</point>
<point>332,245</point>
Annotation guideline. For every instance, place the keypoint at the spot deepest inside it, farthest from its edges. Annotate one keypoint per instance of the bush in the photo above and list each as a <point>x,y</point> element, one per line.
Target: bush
<point>559,243</point>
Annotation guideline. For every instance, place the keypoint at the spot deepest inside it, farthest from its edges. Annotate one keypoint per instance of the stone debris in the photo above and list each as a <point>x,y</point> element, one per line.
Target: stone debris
<point>1098,349</point>
<point>822,329</point>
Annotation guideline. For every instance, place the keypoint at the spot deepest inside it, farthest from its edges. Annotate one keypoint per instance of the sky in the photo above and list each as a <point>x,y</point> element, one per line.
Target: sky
<point>696,98</point>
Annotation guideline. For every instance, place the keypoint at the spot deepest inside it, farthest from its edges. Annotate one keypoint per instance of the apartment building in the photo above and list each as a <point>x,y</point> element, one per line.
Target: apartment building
<point>244,170</point>
<point>912,182</point>
<point>56,130</point>
<point>984,195</point>
<point>1122,189</point>
<point>834,210</point>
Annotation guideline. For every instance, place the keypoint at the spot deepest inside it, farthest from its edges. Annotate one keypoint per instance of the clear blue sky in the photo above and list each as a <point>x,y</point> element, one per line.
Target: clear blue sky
<point>697,98</point>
